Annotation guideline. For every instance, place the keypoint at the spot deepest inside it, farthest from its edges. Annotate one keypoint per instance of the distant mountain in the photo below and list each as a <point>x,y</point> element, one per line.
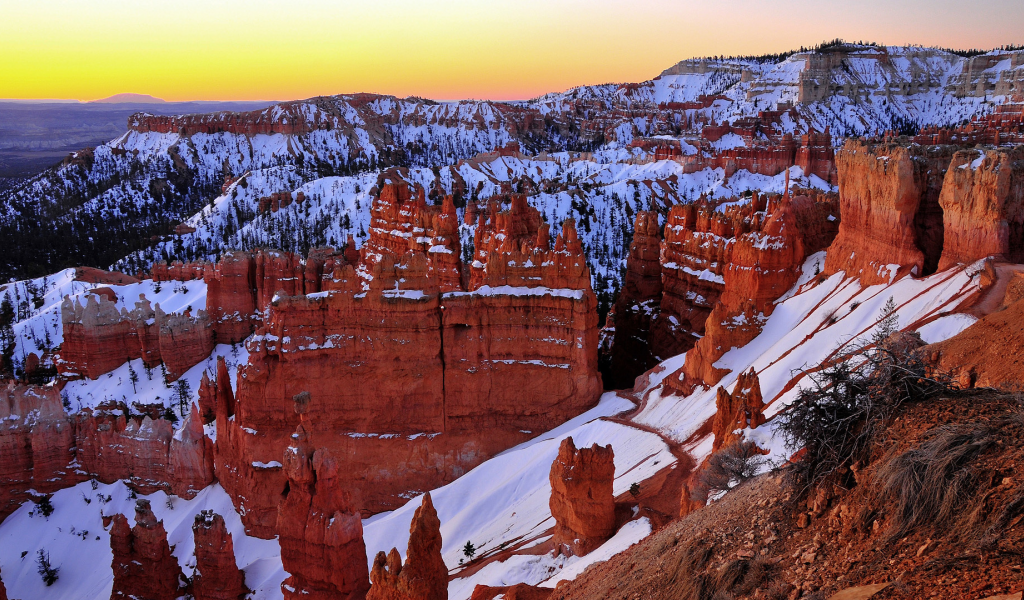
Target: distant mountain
<point>115,204</point>
<point>130,98</point>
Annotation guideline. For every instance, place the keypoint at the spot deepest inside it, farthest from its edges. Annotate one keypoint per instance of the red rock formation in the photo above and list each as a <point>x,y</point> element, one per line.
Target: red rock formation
<point>739,410</point>
<point>36,443</point>
<point>503,344</point>
<point>3,591</point>
<point>278,272</point>
<point>982,202</point>
<point>697,247</point>
<point>231,296</point>
<point>321,536</point>
<point>177,271</point>
<point>143,565</point>
<point>888,198</point>
<point>764,265</point>
<point>144,452</point>
<point>92,275</point>
<point>627,352</point>
<point>582,501</point>
<point>403,385</point>
<point>185,341</point>
<point>519,591</point>
<point>444,251</point>
<point>424,575</point>
<point>98,338</point>
<point>217,577</point>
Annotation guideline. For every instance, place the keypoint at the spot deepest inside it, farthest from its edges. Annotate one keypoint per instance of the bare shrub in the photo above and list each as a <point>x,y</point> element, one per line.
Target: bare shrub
<point>730,466</point>
<point>836,419</point>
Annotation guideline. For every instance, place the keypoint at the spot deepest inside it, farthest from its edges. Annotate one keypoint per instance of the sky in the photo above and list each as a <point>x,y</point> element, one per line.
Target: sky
<point>448,49</point>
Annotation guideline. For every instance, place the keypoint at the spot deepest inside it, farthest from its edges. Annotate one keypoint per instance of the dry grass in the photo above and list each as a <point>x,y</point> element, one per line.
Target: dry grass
<point>934,481</point>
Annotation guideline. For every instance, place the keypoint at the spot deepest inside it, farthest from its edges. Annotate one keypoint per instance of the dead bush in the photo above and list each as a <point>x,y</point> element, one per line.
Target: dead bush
<point>848,403</point>
<point>730,466</point>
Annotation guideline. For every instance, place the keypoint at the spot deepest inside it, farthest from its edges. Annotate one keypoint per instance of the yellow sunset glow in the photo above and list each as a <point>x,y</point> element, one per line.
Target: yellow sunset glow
<point>233,50</point>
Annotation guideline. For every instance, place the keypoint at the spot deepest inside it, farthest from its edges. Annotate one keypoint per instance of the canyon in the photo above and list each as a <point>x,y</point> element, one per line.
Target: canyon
<point>398,344</point>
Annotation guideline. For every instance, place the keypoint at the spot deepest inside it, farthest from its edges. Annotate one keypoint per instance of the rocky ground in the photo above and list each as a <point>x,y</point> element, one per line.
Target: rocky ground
<point>766,539</point>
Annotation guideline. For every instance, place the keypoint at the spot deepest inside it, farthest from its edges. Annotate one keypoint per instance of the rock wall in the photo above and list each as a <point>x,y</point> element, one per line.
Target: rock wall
<point>217,577</point>
<point>37,445</point>
<point>405,377</point>
<point>982,201</point>
<point>582,500</point>
<point>424,575</point>
<point>143,565</point>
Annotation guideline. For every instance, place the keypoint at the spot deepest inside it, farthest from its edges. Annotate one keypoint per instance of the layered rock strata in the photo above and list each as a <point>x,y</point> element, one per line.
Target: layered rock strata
<point>404,375</point>
<point>143,565</point>
<point>217,577</point>
<point>424,575</point>
<point>321,535</point>
<point>892,222</point>
<point>982,202</point>
<point>582,500</point>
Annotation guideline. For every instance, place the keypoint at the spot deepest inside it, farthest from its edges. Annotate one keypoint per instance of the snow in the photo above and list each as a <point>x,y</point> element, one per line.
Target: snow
<point>943,328</point>
<point>508,290</point>
<point>810,323</point>
<point>150,387</point>
<point>70,535</point>
<point>505,499</point>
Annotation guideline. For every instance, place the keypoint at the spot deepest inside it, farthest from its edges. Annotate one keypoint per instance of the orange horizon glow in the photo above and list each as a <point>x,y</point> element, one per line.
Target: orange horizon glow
<point>454,49</point>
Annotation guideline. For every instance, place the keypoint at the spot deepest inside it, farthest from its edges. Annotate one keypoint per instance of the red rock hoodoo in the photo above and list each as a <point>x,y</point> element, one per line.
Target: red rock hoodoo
<point>321,535</point>
<point>143,565</point>
<point>217,577</point>
<point>404,375</point>
<point>743,408</point>
<point>582,500</point>
<point>424,575</point>
<point>982,202</point>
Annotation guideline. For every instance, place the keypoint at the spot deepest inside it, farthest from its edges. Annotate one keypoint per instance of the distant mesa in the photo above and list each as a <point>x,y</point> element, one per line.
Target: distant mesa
<point>130,98</point>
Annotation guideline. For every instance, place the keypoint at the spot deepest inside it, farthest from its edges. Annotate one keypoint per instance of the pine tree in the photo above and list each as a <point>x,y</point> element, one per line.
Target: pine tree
<point>888,322</point>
